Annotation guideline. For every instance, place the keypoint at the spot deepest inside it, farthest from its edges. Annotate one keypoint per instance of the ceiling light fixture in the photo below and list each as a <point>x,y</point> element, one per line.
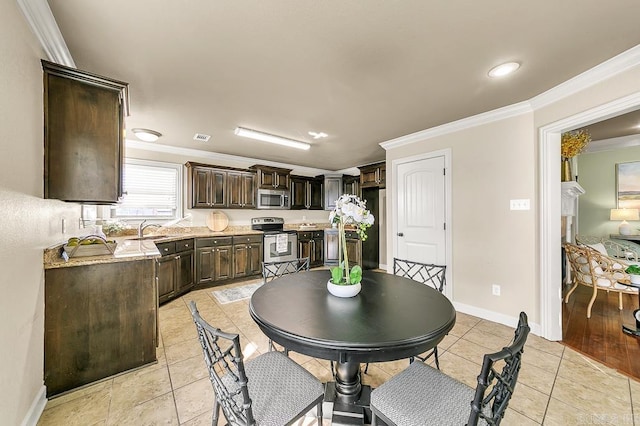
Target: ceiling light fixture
<point>146,134</point>
<point>266,137</point>
<point>503,69</point>
<point>318,135</point>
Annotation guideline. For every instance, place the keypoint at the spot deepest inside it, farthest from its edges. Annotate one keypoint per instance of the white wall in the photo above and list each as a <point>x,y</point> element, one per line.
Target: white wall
<point>28,223</point>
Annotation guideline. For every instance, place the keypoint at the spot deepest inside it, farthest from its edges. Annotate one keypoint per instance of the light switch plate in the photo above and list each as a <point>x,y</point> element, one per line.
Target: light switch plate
<point>523,204</point>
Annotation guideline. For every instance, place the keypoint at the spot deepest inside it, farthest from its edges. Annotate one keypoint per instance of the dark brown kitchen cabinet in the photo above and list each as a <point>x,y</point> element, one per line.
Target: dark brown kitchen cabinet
<point>373,175</point>
<point>207,187</point>
<point>83,135</point>
<point>272,177</point>
<point>306,193</point>
<point>247,254</point>
<point>332,190</point>
<point>311,245</point>
<point>175,269</point>
<point>214,259</point>
<point>242,190</point>
<point>331,247</point>
<point>99,320</point>
<point>351,185</point>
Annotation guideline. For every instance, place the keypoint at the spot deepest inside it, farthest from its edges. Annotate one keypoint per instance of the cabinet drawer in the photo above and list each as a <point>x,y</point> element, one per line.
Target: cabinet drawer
<point>247,239</point>
<point>214,241</point>
<point>351,235</point>
<point>166,248</point>
<point>184,245</point>
<point>318,235</point>
<point>305,235</point>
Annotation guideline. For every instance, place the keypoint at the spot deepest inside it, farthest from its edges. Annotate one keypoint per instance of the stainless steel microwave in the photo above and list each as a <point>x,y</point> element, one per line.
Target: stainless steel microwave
<point>277,199</point>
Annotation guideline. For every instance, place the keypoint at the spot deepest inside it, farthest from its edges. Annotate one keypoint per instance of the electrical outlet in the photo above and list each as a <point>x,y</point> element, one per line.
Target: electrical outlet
<point>495,290</point>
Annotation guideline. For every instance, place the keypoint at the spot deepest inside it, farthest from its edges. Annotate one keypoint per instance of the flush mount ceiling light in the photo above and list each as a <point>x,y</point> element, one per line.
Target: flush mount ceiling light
<point>318,135</point>
<point>266,137</point>
<point>504,69</point>
<point>146,134</point>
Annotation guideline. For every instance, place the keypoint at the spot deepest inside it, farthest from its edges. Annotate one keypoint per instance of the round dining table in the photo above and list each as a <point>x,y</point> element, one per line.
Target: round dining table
<point>391,318</point>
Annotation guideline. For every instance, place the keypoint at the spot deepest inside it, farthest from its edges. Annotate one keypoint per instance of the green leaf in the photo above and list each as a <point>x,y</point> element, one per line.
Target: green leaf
<point>633,270</point>
<point>336,274</point>
<point>355,275</point>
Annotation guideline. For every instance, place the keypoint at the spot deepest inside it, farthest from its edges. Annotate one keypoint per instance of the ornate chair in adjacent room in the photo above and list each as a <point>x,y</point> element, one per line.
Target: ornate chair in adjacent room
<point>273,270</point>
<point>593,269</point>
<point>423,395</point>
<point>270,389</point>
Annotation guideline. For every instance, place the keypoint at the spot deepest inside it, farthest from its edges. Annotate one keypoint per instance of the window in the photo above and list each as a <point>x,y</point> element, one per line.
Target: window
<point>152,190</point>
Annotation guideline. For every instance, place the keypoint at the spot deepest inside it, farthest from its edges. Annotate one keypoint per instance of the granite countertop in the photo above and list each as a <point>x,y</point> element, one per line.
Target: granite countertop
<point>131,248</point>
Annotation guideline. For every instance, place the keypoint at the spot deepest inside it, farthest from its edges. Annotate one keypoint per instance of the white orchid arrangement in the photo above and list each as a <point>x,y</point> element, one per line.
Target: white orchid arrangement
<point>349,210</point>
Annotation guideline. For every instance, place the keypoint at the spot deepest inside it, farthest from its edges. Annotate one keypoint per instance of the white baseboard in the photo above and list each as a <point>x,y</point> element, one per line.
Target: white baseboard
<point>488,315</point>
<point>36,409</point>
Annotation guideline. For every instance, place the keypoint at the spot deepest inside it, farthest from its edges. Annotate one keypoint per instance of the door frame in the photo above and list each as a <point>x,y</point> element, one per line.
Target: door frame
<point>446,153</point>
<point>549,207</point>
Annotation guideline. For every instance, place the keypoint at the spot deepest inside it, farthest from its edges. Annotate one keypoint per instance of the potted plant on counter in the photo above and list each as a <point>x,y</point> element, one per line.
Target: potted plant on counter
<point>349,211</point>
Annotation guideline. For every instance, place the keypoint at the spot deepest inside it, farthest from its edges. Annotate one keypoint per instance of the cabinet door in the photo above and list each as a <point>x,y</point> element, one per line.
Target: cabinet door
<point>354,252</point>
<point>254,266</point>
<point>223,263</point>
<point>281,179</point>
<point>332,191</point>
<point>240,260</point>
<point>235,189</point>
<point>200,196</point>
<point>166,278</point>
<point>267,179</point>
<point>248,190</point>
<point>298,193</point>
<point>331,255</point>
<point>316,194</point>
<point>351,185</point>
<point>304,249</point>
<point>205,265</point>
<point>84,128</point>
<point>184,272</point>
<point>218,188</point>
<point>317,252</point>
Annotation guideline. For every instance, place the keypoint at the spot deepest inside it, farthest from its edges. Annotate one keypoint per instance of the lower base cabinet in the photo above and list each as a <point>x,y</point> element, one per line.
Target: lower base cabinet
<point>175,269</point>
<point>331,247</point>
<point>311,245</point>
<point>99,320</point>
<point>219,259</point>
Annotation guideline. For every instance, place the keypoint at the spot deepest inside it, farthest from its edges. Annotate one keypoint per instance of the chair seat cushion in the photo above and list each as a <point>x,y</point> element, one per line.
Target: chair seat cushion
<point>279,387</point>
<point>406,401</point>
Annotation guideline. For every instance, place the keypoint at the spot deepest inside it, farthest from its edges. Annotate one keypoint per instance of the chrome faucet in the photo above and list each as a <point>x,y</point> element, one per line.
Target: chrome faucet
<point>142,227</point>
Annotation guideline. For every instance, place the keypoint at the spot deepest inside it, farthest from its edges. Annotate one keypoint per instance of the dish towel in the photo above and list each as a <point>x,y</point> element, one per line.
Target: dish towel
<point>282,241</point>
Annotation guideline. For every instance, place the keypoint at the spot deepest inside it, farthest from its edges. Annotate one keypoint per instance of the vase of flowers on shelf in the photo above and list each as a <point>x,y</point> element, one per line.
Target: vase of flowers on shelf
<point>350,210</point>
<point>572,144</point>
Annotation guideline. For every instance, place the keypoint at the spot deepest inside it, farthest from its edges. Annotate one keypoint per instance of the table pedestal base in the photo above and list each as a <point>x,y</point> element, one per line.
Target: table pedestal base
<point>343,412</point>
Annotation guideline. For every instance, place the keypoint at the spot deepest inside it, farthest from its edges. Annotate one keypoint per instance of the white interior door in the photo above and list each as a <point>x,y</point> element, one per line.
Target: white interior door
<point>420,232</point>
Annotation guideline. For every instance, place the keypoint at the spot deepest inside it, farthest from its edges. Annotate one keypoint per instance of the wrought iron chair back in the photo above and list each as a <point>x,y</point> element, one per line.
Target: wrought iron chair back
<point>426,273</point>
<point>223,357</point>
<point>491,406</point>
<point>273,270</point>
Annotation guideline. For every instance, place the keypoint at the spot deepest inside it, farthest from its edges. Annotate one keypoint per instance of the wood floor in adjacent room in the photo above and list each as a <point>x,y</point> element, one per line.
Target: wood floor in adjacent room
<point>601,336</point>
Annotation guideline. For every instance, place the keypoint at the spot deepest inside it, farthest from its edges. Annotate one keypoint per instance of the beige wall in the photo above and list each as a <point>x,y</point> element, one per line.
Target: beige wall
<point>28,222</point>
<point>490,165</point>
<point>597,176</point>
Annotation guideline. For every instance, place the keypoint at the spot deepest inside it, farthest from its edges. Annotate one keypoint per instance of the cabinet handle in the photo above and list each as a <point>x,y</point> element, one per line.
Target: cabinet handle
<point>177,257</point>
<point>166,249</point>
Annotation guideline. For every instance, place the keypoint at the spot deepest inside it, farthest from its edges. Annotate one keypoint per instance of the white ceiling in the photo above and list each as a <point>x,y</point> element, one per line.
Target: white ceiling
<point>362,71</point>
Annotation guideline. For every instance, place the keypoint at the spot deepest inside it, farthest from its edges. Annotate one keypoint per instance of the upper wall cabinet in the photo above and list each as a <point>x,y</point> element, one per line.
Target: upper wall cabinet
<point>83,135</point>
<point>217,187</point>
<point>373,175</point>
<point>351,185</point>
<point>306,193</point>
<point>272,177</point>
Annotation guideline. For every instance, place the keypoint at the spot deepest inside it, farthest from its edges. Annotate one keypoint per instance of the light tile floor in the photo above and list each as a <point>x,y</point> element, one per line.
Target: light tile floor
<point>557,386</point>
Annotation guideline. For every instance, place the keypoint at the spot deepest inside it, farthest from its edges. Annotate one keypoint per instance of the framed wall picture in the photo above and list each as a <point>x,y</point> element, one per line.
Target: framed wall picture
<point>628,185</point>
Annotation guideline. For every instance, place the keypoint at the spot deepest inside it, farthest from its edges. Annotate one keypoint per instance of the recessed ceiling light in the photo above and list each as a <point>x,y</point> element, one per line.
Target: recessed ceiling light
<point>318,135</point>
<point>266,137</point>
<point>146,134</point>
<point>503,69</point>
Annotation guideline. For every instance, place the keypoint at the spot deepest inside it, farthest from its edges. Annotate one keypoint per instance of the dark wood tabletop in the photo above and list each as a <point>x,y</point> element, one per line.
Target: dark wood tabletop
<point>392,317</point>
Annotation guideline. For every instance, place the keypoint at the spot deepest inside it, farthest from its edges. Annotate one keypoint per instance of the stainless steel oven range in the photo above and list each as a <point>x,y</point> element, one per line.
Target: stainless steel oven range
<point>279,244</point>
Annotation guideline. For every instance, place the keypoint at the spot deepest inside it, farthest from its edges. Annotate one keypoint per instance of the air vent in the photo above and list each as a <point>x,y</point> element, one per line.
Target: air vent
<point>201,137</point>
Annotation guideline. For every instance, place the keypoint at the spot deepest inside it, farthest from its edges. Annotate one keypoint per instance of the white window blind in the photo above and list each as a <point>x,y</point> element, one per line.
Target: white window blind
<point>151,190</point>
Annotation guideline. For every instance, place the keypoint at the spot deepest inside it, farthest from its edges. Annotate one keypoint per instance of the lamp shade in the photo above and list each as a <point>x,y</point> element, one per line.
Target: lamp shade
<point>625,214</point>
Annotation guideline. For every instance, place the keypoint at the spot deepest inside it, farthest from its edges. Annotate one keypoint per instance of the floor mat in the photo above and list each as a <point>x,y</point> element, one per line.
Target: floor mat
<point>229,295</point>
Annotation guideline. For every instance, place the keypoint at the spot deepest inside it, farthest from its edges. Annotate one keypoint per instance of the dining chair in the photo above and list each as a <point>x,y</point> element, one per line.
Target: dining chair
<point>270,389</point>
<point>423,395</point>
<point>273,270</point>
<point>593,269</point>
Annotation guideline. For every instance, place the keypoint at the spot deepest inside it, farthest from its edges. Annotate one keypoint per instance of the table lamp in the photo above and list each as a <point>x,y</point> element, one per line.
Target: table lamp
<point>624,215</point>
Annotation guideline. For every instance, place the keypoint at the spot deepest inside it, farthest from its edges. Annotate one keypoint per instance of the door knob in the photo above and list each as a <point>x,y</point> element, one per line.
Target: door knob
<point>400,234</point>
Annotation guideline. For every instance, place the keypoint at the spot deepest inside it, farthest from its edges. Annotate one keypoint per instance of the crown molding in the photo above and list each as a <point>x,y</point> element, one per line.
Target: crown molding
<point>607,69</point>
<point>44,26</point>
<point>226,158</point>
<point>462,124</point>
<point>616,65</point>
<point>612,144</point>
